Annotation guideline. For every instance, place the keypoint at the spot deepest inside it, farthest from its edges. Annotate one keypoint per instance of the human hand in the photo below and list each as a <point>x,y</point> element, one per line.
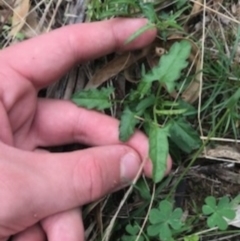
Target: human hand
<point>40,192</point>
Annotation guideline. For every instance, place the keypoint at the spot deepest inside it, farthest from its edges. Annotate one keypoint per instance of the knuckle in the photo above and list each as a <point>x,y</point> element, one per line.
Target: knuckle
<point>88,179</point>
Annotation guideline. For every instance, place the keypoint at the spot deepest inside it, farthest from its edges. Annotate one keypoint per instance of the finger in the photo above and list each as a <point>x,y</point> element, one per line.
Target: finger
<point>64,226</point>
<point>61,122</point>
<point>46,58</point>
<point>35,233</point>
<point>53,183</point>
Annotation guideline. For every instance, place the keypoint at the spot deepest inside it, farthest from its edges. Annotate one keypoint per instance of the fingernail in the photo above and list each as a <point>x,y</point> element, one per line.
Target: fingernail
<point>130,164</point>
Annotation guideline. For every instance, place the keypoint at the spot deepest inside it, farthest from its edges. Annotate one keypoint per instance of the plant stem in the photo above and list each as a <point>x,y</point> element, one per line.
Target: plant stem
<point>155,105</point>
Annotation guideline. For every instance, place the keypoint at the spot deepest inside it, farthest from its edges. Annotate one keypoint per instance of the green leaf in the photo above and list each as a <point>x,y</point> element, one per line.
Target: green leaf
<point>170,65</point>
<point>223,202</point>
<point>211,202</point>
<point>143,190</point>
<point>148,10</point>
<point>184,136</point>
<point>145,103</point>
<point>166,232</point>
<point>228,213</point>
<point>158,151</point>
<point>143,88</point>
<point>133,230</point>
<point>233,99</point>
<point>164,220</point>
<point>93,98</point>
<point>235,201</point>
<point>218,212</point>
<point>127,124</point>
<point>216,220</point>
<point>154,230</point>
<point>175,220</point>
<point>207,210</point>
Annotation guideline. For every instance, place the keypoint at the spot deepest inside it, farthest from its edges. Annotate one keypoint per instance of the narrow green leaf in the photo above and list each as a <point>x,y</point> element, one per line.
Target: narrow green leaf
<point>139,32</point>
<point>158,151</point>
<point>233,99</point>
<point>127,124</point>
<point>93,98</point>
<point>145,103</point>
<point>143,190</point>
<point>143,88</point>
<point>184,136</point>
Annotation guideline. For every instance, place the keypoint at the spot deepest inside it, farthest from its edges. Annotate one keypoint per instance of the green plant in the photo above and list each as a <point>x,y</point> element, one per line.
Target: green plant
<point>162,118</point>
<point>93,98</point>
<point>132,231</point>
<point>163,220</point>
<point>218,212</point>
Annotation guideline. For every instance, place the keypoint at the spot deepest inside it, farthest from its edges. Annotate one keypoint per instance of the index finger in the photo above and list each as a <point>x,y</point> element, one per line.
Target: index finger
<point>46,58</point>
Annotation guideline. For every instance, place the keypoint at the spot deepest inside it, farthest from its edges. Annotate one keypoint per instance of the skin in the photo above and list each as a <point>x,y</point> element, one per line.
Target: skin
<point>40,192</point>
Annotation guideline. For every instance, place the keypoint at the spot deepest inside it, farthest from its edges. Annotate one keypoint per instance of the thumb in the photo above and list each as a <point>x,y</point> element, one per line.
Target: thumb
<point>36,185</point>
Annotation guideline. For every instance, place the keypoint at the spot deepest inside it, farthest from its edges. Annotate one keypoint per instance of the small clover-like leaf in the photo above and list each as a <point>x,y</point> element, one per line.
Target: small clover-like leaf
<point>211,202</point>
<point>207,210</point>
<point>223,202</point>
<point>166,208</point>
<point>93,98</point>
<point>216,220</point>
<point>154,230</point>
<point>175,220</point>
<point>218,212</point>
<point>132,229</point>
<point>166,232</point>
<point>155,216</point>
<point>164,220</point>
